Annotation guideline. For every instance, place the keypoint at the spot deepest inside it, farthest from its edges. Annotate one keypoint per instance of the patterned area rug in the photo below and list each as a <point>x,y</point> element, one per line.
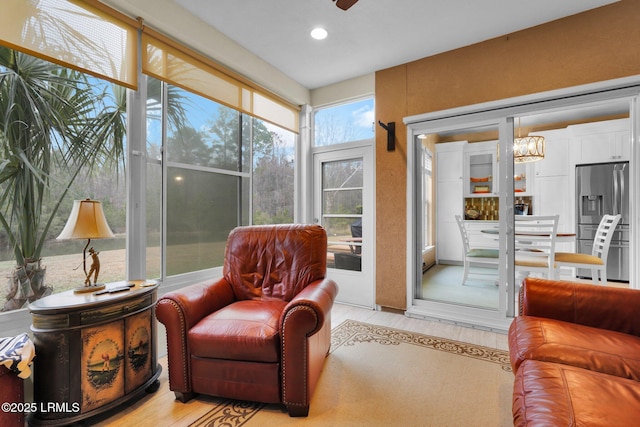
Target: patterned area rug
<point>228,412</point>
<point>377,375</point>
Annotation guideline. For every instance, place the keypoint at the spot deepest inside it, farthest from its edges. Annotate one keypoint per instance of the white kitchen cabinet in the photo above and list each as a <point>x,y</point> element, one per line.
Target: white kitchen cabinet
<point>602,142</point>
<point>449,200</point>
<point>480,169</point>
<point>449,161</point>
<point>523,182</point>
<point>622,140</point>
<point>553,192</point>
<point>556,158</point>
<point>605,147</point>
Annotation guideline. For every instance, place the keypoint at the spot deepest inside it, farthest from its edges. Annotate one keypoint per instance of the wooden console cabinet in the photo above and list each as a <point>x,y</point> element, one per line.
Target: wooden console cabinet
<point>93,352</point>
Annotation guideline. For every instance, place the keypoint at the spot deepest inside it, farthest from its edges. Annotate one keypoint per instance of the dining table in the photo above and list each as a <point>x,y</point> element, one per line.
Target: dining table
<point>561,236</point>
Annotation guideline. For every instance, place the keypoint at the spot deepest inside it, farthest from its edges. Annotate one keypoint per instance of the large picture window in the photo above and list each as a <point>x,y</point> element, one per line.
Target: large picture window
<point>205,162</point>
<point>73,149</point>
<point>211,162</point>
<point>223,169</point>
<point>209,169</point>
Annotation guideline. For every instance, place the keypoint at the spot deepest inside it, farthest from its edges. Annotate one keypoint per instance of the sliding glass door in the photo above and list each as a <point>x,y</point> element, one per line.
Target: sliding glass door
<point>463,211</point>
<point>477,188</point>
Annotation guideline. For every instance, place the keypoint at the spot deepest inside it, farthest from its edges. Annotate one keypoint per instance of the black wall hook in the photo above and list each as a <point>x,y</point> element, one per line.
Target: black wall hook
<point>391,134</point>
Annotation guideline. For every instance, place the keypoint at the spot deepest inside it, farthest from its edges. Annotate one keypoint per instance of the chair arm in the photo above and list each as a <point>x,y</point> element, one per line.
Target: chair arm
<point>194,302</point>
<point>586,304</point>
<point>319,297</point>
<point>179,311</point>
<point>305,333</point>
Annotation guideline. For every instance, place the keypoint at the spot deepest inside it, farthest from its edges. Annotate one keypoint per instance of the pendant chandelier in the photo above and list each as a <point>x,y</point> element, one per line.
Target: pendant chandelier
<point>527,148</point>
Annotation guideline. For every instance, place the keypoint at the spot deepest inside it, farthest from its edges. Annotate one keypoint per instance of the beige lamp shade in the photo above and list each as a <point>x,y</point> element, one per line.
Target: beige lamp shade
<point>86,221</point>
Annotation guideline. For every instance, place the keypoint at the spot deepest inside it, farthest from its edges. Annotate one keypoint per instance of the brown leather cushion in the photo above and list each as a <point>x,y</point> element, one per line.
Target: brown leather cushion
<point>274,261</point>
<point>550,394</point>
<point>582,346</point>
<point>245,330</point>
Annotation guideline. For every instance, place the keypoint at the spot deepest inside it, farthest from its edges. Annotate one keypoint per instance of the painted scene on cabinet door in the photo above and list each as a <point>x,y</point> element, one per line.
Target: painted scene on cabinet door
<point>138,360</point>
<point>102,370</point>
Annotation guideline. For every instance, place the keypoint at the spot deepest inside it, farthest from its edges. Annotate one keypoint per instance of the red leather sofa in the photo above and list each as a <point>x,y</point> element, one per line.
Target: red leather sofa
<point>575,352</point>
<point>261,332</point>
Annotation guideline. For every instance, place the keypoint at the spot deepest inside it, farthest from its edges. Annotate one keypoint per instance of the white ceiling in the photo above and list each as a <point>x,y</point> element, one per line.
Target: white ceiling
<point>373,34</point>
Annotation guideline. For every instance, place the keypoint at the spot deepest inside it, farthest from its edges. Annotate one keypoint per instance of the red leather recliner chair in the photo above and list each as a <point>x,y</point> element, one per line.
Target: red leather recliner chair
<point>261,332</point>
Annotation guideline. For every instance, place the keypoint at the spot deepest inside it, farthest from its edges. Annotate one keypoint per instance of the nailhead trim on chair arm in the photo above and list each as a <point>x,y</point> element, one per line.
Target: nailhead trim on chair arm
<point>183,340</point>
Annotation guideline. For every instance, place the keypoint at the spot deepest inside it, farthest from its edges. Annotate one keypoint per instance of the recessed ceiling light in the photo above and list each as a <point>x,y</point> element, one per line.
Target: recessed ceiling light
<point>319,33</point>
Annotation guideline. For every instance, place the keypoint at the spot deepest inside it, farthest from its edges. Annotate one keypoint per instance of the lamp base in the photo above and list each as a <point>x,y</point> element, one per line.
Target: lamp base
<point>89,288</point>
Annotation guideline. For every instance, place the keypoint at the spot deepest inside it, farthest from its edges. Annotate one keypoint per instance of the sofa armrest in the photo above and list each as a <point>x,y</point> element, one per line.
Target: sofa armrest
<point>178,311</point>
<point>586,304</point>
<point>305,333</point>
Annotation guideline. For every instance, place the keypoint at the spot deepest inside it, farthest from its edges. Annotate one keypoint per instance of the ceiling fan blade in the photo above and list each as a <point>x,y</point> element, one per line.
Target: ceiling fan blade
<point>345,4</point>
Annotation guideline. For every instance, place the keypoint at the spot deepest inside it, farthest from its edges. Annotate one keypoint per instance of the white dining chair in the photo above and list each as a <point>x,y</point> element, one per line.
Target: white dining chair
<point>597,260</point>
<point>484,257</point>
<point>535,243</point>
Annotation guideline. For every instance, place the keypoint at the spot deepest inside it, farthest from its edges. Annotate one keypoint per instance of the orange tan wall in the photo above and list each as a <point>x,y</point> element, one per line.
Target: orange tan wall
<point>597,45</point>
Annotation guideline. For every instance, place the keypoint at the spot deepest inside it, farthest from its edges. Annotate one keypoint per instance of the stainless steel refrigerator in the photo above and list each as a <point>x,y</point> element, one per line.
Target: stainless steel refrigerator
<point>603,189</point>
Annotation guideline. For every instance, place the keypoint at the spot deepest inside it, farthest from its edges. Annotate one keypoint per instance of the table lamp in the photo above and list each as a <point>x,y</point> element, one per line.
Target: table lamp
<point>87,221</point>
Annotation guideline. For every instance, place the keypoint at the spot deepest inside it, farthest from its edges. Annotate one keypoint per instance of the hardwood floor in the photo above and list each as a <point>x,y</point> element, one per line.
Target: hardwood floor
<point>161,408</point>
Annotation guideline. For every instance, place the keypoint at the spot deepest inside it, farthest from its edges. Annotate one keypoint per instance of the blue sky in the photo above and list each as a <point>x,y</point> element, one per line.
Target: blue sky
<point>359,116</point>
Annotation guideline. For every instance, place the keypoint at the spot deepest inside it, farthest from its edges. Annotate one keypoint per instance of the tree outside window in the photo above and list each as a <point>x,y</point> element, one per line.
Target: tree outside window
<point>61,133</point>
